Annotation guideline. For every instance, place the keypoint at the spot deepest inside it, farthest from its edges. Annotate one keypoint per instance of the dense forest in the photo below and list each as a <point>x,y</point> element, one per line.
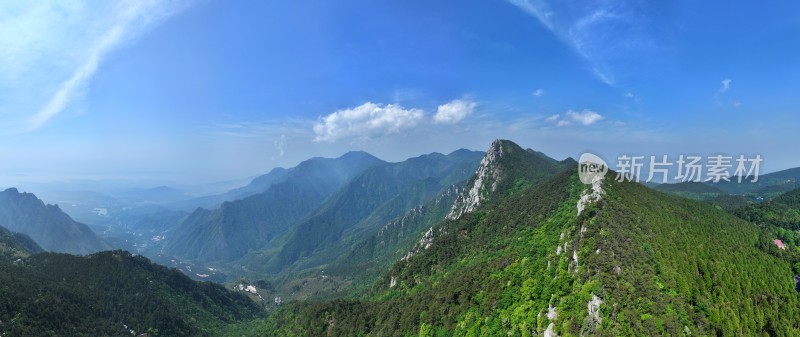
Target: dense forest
<point>111,294</point>
<point>783,211</point>
<point>780,218</point>
<point>636,262</point>
<point>15,246</point>
<point>523,249</point>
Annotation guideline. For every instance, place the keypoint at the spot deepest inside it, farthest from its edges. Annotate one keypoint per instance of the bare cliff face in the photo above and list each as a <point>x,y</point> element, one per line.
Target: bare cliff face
<point>486,180</point>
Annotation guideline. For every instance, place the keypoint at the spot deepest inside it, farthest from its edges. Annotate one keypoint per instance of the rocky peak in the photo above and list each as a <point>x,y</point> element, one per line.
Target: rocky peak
<point>486,178</point>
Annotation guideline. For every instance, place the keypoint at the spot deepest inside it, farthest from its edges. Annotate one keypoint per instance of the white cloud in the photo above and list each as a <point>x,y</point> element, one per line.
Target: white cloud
<point>629,95</point>
<point>538,93</point>
<point>454,111</point>
<point>726,84</point>
<point>585,117</point>
<point>366,121</point>
<point>49,51</point>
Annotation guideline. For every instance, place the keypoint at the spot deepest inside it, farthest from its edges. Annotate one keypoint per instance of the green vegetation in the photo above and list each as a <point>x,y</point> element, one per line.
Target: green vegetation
<point>791,198</point>
<point>770,213</point>
<point>692,190</point>
<point>520,169</point>
<point>695,265</point>
<point>767,186</point>
<point>729,202</point>
<point>655,264</point>
<point>358,258</point>
<point>780,219</point>
<point>359,210</point>
<point>15,246</point>
<point>369,258</point>
<point>731,194</point>
<point>524,249</point>
<point>109,294</point>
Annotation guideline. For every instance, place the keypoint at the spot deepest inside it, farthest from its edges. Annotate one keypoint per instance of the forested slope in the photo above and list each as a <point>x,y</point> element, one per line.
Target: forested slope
<point>633,262</point>
<point>111,294</point>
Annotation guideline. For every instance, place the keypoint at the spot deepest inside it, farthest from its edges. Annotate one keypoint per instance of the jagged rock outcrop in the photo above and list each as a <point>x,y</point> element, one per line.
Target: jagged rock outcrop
<point>505,168</point>
<point>485,181</point>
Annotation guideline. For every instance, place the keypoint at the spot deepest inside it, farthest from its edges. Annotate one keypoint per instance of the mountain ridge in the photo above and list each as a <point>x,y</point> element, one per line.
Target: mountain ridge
<point>367,195</point>
<point>564,258</point>
<point>236,227</point>
<point>504,164</point>
<point>112,293</point>
<point>46,224</point>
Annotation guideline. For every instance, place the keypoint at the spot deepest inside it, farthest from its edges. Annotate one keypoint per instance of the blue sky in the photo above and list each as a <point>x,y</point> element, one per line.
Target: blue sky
<point>196,91</point>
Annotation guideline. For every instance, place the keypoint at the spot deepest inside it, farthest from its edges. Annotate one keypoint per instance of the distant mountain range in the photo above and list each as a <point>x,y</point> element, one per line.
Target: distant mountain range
<point>47,225</point>
<point>766,187</point>
<point>104,294</point>
<point>503,242</point>
<point>376,196</point>
<point>237,227</point>
<point>551,256</point>
<point>256,186</point>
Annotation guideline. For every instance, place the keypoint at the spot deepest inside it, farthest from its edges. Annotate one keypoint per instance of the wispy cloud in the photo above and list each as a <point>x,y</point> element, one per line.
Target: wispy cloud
<point>454,111</point>
<point>538,93</point>
<point>609,35</point>
<point>366,121</point>
<point>280,146</point>
<point>726,84</point>
<point>50,51</point>
<point>71,86</point>
<point>257,130</point>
